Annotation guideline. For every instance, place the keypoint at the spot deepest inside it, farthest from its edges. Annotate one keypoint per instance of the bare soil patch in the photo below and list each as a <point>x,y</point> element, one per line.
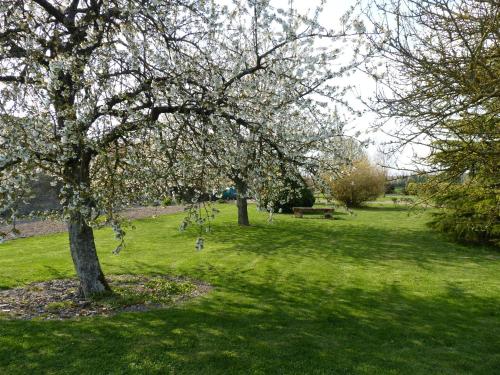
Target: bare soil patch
<point>30,228</point>
<point>59,299</point>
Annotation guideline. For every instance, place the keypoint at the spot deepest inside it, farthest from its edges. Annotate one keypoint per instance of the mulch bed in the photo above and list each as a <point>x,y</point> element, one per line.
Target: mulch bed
<point>30,228</point>
<point>58,299</point>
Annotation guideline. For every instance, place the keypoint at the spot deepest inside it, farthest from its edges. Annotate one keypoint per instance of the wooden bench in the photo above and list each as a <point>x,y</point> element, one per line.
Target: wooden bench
<point>326,211</point>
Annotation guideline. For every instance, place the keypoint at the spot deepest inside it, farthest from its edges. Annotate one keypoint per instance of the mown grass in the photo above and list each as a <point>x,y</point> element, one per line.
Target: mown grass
<point>374,293</point>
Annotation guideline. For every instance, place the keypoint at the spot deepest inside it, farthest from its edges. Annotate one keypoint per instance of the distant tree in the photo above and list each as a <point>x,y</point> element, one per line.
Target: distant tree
<point>389,187</point>
<point>357,183</point>
<point>294,192</point>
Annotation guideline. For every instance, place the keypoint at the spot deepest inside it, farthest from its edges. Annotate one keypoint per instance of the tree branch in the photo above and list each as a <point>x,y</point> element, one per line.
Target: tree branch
<point>53,11</point>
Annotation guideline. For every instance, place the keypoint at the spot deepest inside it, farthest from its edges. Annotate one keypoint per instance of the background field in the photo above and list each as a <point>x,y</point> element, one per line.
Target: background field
<point>373,293</point>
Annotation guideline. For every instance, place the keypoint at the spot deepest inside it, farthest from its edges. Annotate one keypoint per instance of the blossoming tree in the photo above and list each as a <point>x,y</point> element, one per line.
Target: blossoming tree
<point>84,84</point>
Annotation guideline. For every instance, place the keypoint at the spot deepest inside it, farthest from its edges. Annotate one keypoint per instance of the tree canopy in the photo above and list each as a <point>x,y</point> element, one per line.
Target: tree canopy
<point>115,98</point>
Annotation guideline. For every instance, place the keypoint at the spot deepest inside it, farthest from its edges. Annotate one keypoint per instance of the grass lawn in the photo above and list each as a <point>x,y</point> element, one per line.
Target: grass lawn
<point>375,293</point>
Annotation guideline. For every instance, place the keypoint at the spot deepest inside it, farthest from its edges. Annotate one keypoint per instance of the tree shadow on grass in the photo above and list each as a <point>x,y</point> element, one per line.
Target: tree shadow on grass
<point>365,244</point>
<point>318,217</point>
<point>388,208</point>
<point>267,321</point>
<point>293,327</point>
<point>56,273</point>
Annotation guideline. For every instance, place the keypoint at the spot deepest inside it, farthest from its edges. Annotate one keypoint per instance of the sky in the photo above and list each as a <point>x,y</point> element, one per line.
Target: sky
<point>363,85</point>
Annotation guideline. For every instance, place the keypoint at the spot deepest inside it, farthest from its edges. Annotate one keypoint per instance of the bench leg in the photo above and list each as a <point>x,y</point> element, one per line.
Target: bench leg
<point>298,214</point>
<point>328,215</point>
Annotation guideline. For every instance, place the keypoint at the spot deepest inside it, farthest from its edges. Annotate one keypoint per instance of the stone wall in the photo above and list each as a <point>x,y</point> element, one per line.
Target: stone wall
<point>46,196</point>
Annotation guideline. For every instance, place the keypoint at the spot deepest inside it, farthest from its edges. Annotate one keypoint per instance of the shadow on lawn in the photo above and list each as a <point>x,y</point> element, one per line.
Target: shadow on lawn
<point>366,244</point>
<point>271,322</point>
<point>295,327</point>
<point>388,208</point>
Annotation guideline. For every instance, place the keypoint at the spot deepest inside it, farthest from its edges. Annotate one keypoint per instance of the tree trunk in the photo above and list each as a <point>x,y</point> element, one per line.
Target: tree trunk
<point>83,252</point>
<point>241,202</point>
<point>81,235</point>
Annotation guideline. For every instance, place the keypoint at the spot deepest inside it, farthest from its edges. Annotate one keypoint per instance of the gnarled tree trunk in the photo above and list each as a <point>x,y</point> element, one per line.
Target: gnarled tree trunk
<point>81,235</point>
<point>241,202</point>
<point>85,260</point>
